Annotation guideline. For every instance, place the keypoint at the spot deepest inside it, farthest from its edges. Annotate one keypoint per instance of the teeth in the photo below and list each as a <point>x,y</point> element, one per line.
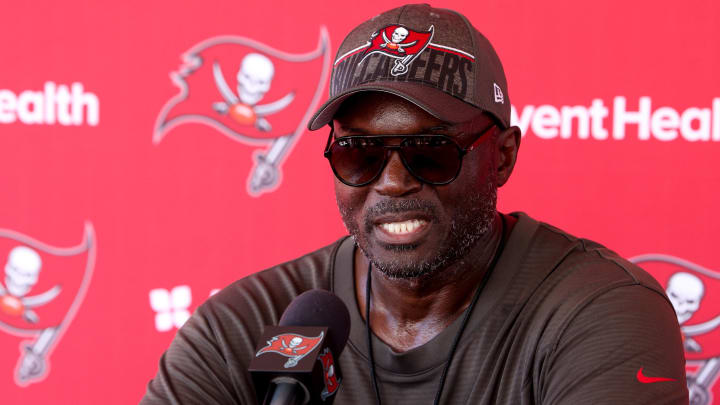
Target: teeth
<point>405,227</point>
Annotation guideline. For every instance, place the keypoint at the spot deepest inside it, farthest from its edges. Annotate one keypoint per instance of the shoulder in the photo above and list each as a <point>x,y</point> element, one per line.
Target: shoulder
<point>574,278</point>
<point>600,319</point>
<point>556,268</point>
<point>590,269</point>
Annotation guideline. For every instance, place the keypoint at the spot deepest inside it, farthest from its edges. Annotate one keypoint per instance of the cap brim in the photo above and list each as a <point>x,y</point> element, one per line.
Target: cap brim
<point>436,102</point>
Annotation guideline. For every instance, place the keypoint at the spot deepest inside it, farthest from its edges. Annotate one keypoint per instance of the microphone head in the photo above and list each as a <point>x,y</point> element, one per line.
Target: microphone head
<point>320,308</point>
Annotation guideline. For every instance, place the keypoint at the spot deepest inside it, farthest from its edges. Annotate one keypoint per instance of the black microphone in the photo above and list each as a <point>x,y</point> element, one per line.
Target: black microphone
<point>296,361</point>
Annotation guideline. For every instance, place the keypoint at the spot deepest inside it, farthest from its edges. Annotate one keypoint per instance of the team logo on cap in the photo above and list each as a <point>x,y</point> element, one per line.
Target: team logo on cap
<point>401,43</point>
<point>251,93</point>
<point>400,54</point>
<point>40,293</point>
<point>291,345</point>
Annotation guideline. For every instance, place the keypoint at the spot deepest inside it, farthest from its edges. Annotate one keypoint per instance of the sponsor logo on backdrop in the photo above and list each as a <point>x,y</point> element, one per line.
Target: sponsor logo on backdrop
<point>42,289</point>
<point>172,307</point>
<point>689,287</point>
<point>251,93</point>
<point>55,104</point>
<point>649,122</point>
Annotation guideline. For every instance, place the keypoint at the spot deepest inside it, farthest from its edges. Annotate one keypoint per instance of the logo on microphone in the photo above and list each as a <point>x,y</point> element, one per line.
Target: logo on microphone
<point>291,345</point>
<point>332,382</point>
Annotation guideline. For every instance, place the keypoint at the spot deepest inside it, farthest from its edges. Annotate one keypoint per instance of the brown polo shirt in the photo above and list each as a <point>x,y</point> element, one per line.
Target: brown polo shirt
<point>562,320</point>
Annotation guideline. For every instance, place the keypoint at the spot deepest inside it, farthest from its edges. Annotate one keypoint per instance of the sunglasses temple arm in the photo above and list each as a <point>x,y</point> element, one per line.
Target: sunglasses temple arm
<point>327,145</point>
<point>480,139</point>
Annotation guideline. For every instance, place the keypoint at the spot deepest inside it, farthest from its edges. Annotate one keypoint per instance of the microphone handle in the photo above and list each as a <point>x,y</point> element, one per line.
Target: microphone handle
<point>286,391</point>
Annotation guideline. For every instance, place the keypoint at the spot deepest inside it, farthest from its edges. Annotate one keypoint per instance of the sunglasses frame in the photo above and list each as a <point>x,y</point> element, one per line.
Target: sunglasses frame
<point>404,137</point>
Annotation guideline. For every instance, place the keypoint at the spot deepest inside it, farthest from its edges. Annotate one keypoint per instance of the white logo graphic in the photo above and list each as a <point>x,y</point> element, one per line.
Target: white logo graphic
<point>254,79</point>
<point>499,96</point>
<point>22,271</point>
<point>39,296</point>
<point>171,307</point>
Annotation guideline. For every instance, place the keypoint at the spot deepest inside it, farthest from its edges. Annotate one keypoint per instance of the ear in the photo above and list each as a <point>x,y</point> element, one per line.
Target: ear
<point>508,144</point>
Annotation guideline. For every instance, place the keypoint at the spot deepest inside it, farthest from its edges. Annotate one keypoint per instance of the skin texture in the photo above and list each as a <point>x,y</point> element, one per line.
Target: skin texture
<point>423,284</point>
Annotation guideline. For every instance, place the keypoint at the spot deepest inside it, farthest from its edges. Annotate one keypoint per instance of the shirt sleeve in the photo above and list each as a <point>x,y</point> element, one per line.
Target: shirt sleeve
<point>622,347</point>
<point>194,370</point>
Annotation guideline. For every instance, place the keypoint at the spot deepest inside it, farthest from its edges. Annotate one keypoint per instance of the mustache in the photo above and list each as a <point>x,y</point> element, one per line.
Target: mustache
<point>397,206</point>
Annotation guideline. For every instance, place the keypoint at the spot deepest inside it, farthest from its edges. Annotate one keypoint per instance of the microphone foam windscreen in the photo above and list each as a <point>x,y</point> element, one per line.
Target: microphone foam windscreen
<point>320,308</point>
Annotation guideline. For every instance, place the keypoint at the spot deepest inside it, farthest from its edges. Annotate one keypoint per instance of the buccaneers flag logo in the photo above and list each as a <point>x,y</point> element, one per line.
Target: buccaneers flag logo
<point>251,93</point>
<point>400,43</point>
<point>291,345</point>
<point>693,291</point>
<point>42,289</point>
<point>332,382</point>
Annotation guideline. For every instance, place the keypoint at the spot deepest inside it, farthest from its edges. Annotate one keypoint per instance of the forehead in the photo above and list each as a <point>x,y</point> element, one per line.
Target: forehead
<point>385,113</point>
<point>378,112</point>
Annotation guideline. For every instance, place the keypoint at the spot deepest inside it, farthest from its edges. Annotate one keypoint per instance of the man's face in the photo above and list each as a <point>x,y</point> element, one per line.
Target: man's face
<point>407,228</point>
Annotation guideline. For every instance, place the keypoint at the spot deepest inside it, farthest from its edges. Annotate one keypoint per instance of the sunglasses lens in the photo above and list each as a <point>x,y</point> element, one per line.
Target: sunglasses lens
<point>357,161</point>
<point>432,159</point>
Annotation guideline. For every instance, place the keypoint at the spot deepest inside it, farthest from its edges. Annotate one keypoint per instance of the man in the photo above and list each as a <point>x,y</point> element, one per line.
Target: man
<point>466,305</point>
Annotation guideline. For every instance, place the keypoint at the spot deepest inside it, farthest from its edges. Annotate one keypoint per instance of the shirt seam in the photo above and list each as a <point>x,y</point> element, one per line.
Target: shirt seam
<point>333,260</point>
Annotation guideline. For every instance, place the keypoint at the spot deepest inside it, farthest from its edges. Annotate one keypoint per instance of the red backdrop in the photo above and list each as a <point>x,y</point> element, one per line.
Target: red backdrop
<point>125,226</point>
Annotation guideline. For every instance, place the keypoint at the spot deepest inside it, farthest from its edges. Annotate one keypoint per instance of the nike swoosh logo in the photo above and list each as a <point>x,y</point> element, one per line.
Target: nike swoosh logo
<point>649,380</point>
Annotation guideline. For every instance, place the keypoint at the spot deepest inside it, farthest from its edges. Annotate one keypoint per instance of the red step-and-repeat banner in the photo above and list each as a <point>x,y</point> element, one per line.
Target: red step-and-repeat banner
<point>152,152</point>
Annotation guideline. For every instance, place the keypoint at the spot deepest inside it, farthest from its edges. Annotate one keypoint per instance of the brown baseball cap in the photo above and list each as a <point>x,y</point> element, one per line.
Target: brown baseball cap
<point>431,57</point>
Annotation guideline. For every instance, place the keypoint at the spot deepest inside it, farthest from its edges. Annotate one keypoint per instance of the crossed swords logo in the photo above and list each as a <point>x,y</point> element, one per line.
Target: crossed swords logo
<point>240,112</point>
<point>396,43</point>
<point>246,111</point>
<point>22,272</point>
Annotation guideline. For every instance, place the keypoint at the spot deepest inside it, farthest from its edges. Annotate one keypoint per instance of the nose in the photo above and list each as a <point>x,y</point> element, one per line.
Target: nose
<point>395,180</point>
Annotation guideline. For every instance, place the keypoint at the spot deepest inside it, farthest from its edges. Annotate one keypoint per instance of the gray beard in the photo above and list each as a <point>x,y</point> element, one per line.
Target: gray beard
<point>467,227</point>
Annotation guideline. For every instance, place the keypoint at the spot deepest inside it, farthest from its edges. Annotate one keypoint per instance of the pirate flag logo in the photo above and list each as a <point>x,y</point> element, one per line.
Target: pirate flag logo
<point>251,93</point>
<point>693,291</point>
<point>40,293</point>
<point>291,345</point>
<point>400,43</point>
<point>332,382</point>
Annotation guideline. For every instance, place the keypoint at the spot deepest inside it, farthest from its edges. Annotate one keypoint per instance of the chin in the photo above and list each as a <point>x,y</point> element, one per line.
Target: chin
<point>405,261</point>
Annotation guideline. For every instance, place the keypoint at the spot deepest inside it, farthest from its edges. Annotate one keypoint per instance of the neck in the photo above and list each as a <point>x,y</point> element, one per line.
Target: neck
<point>406,313</point>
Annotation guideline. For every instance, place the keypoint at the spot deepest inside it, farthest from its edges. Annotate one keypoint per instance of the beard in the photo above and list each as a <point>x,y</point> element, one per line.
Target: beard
<point>472,219</point>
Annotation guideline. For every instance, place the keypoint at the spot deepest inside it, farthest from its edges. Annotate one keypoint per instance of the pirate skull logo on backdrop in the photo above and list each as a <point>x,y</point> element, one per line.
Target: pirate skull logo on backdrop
<point>177,135</point>
<point>43,288</point>
<point>244,89</point>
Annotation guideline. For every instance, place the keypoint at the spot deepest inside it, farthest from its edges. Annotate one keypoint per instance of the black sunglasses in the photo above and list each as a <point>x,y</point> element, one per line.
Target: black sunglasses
<point>358,160</point>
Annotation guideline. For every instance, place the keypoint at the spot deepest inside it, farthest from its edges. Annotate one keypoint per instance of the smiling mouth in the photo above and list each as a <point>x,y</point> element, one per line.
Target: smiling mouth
<point>393,233</point>
<point>404,227</point>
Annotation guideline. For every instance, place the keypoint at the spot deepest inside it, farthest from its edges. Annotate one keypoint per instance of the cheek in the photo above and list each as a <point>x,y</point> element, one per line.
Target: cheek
<point>349,201</point>
<point>474,187</point>
<point>479,167</point>
<point>473,178</point>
